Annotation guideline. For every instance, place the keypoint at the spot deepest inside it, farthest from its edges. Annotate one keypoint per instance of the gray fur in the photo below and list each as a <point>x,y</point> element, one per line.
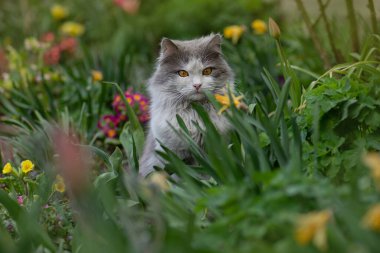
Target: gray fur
<point>171,94</point>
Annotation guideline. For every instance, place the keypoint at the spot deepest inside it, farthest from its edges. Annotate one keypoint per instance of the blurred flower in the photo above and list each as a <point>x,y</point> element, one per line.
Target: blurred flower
<point>108,124</point>
<point>20,200</point>
<point>312,227</point>
<point>372,160</point>
<point>27,166</point>
<point>371,219</point>
<point>224,100</point>
<point>259,26</point>
<point>3,62</point>
<point>32,44</point>
<point>72,29</point>
<point>52,56</point>
<point>72,162</point>
<point>68,45</point>
<point>59,12</point>
<point>59,184</point>
<point>159,179</point>
<point>48,37</point>
<point>129,6</point>
<point>274,30</point>
<point>7,168</point>
<point>111,133</point>
<point>138,102</point>
<point>97,75</point>
<point>234,32</point>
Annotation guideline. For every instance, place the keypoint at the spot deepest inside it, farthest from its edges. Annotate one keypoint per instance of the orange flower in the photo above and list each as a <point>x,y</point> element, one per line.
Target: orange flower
<point>96,75</point>
<point>312,227</point>
<point>371,219</point>
<point>224,100</point>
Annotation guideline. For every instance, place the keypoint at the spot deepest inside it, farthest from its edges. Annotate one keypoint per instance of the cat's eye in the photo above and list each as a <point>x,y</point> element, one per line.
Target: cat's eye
<point>183,73</point>
<point>207,71</point>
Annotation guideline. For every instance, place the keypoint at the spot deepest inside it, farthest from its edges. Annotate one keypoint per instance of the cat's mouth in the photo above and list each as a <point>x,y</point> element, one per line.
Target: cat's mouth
<point>197,96</point>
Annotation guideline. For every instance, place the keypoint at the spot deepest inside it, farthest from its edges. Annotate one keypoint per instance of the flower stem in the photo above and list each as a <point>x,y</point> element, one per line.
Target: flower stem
<point>316,41</point>
<point>371,7</point>
<point>295,87</point>
<point>353,25</point>
<point>337,54</point>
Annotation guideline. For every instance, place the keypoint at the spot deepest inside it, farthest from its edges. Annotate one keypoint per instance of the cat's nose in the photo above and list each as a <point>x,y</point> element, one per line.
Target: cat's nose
<point>197,86</point>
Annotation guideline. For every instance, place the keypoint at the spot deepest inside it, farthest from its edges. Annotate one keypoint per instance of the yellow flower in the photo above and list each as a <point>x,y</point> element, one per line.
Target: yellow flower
<point>27,166</point>
<point>371,219</point>
<point>274,30</point>
<point>72,29</point>
<point>259,26</point>
<point>372,160</point>
<point>234,32</point>
<point>312,227</point>
<point>59,184</point>
<point>224,100</point>
<point>59,12</point>
<point>96,75</point>
<point>159,179</point>
<point>7,168</point>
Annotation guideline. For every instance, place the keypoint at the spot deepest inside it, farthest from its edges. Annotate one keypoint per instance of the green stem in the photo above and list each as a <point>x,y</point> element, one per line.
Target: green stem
<point>371,7</point>
<point>26,188</point>
<point>337,54</point>
<point>295,86</point>
<point>316,41</point>
<point>353,25</point>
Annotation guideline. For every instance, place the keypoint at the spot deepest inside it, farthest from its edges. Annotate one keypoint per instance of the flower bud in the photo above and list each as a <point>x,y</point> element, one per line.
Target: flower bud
<point>274,30</point>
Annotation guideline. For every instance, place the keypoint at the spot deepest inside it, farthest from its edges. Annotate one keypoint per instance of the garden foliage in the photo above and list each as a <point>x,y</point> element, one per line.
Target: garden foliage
<point>299,171</point>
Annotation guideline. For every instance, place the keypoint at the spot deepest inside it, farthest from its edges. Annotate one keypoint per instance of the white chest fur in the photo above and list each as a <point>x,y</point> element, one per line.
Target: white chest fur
<point>164,120</point>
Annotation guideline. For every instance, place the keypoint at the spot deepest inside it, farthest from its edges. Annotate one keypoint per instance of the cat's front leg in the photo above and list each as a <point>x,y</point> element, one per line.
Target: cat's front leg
<point>149,158</point>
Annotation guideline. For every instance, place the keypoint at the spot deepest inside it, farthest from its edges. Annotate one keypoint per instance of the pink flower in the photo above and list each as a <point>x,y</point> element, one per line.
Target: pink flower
<point>108,124</point>
<point>52,56</point>
<point>139,103</point>
<point>68,45</point>
<point>20,200</point>
<point>129,6</point>
<point>3,61</point>
<point>48,37</point>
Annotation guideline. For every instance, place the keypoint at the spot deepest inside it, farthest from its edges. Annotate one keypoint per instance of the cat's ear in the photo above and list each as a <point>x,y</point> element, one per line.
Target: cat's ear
<point>215,43</point>
<point>168,47</point>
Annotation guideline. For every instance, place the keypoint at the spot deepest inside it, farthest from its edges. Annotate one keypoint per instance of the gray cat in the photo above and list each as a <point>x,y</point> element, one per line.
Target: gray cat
<point>184,70</point>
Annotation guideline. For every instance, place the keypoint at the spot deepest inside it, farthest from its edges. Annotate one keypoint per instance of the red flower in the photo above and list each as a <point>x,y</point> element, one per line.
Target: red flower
<point>129,6</point>
<point>20,200</point>
<point>3,62</point>
<point>108,124</point>
<point>68,45</point>
<point>52,56</point>
<point>48,37</point>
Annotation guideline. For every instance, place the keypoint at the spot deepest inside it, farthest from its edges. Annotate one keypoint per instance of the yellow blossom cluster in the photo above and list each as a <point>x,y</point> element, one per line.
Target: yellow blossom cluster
<point>234,32</point>
<point>26,166</point>
<point>59,12</point>
<point>72,29</point>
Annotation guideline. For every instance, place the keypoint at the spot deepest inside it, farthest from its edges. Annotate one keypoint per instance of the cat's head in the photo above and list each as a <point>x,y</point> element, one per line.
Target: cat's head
<point>186,69</point>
